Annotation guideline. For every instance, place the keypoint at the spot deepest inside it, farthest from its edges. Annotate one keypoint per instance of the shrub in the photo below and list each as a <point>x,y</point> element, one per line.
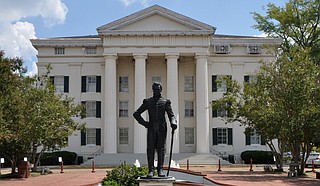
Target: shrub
<point>124,175</point>
<point>69,158</point>
<point>258,157</point>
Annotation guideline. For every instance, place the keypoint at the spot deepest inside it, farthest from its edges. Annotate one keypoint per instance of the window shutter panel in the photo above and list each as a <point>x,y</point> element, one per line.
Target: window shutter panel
<point>66,84</point>
<point>214,136</point>
<point>83,103</point>
<point>98,109</point>
<point>83,84</point>
<point>246,79</point>
<point>230,136</point>
<point>214,112</point>
<point>263,141</point>
<point>52,79</point>
<point>98,84</point>
<point>214,84</point>
<point>83,138</point>
<point>230,77</point>
<point>98,136</point>
<point>248,139</point>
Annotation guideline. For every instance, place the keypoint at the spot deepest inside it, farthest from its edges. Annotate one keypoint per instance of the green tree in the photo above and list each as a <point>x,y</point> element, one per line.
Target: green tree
<point>298,25</point>
<point>32,114</point>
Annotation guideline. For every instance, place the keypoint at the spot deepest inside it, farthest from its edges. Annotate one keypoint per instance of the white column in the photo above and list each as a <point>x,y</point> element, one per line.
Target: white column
<point>173,95</point>
<point>110,104</point>
<point>140,133</point>
<point>202,104</point>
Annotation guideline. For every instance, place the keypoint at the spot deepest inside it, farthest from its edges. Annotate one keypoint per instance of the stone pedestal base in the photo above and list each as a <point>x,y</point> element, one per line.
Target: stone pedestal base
<point>156,181</point>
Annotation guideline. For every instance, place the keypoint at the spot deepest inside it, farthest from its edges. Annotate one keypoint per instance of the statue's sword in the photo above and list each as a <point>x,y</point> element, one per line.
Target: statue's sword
<point>170,157</point>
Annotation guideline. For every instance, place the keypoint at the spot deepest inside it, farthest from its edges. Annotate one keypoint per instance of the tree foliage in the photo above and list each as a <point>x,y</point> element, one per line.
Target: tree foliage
<point>283,102</point>
<point>32,114</point>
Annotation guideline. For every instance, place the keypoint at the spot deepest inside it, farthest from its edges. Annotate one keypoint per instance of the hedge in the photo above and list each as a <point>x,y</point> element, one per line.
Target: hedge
<point>258,157</point>
<point>69,158</point>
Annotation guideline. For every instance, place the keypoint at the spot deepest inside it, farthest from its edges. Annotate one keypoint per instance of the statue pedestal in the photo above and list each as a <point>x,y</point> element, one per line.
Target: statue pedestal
<point>156,181</point>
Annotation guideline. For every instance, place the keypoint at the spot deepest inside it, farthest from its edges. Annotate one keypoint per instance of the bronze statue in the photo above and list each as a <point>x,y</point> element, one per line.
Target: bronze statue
<point>156,126</point>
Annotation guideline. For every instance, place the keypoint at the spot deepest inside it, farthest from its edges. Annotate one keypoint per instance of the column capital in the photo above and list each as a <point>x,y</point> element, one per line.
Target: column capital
<point>201,55</point>
<point>140,55</point>
<point>110,56</point>
<point>172,55</point>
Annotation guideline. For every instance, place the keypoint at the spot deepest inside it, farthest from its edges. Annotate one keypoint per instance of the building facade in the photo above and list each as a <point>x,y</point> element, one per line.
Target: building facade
<point>112,72</point>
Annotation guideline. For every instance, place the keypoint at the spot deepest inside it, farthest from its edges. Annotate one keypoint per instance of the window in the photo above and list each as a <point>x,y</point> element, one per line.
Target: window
<point>221,112</point>
<point>249,79</point>
<point>156,79</point>
<point>91,136</point>
<point>189,136</point>
<point>93,108</point>
<point>219,87</point>
<point>90,50</point>
<point>188,109</point>
<point>61,83</point>
<point>123,136</point>
<point>91,84</point>
<point>123,84</point>
<point>254,139</point>
<point>222,136</point>
<point>123,109</point>
<point>188,84</point>
<point>59,50</point>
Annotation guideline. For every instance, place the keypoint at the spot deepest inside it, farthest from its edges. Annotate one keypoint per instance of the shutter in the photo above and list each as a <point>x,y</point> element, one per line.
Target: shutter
<point>248,139</point>
<point>83,84</point>
<point>214,112</point>
<point>83,138</point>
<point>98,84</point>
<point>98,109</point>
<point>98,136</point>
<point>263,141</point>
<point>214,83</point>
<point>52,79</point>
<point>84,114</point>
<point>246,79</point>
<point>214,136</point>
<point>66,84</point>
<point>230,136</point>
<point>230,77</point>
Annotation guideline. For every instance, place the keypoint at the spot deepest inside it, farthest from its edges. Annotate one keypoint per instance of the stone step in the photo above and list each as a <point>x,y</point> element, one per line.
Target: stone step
<point>180,158</point>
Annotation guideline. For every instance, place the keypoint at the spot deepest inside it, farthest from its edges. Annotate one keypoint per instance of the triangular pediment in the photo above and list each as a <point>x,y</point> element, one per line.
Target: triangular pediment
<point>156,20</point>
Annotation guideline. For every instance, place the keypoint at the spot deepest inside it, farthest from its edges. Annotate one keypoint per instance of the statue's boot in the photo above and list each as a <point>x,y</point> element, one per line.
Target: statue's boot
<point>160,162</point>
<point>150,158</point>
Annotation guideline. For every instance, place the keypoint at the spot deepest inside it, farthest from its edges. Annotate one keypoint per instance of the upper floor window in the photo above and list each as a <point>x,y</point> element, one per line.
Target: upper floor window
<point>123,84</point>
<point>123,109</point>
<point>59,50</point>
<point>61,83</point>
<point>188,109</point>
<point>219,87</point>
<point>93,108</point>
<point>249,79</point>
<point>189,135</point>
<point>90,50</point>
<point>221,112</point>
<point>91,83</point>
<point>189,83</point>
<point>156,79</point>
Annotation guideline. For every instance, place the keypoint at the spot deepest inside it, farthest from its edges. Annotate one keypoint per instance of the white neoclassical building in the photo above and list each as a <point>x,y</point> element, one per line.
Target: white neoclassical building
<point>112,72</point>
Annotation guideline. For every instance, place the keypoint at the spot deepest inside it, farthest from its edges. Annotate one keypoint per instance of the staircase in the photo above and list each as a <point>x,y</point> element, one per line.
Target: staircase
<point>130,158</point>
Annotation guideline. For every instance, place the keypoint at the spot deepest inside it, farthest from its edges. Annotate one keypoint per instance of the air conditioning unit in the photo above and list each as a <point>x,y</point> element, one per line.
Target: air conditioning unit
<point>254,49</point>
<point>222,49</point>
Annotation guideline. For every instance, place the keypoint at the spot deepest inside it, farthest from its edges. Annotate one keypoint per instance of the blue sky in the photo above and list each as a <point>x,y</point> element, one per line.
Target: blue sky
<point>21,20</point>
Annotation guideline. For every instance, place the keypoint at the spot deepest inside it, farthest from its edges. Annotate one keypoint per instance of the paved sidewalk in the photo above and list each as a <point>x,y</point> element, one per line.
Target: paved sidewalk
<point>70,177</point>
<point>229,176</point>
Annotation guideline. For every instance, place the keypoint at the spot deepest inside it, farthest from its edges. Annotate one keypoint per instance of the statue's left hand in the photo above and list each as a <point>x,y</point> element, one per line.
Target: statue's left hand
<point>174,127</point>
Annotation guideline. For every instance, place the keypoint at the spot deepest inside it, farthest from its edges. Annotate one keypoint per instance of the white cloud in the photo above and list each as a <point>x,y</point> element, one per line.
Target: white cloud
<point>144,3</point>
<point>15,35</point>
